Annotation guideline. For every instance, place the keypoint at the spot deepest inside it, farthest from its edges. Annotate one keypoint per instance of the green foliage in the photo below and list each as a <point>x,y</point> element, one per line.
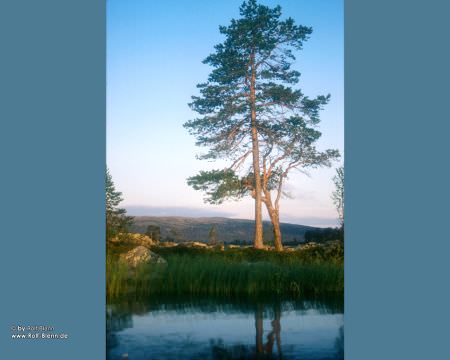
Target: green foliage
<point>332,252</point>
<point>235,231</point>
<point>258,43</point>
<point>292,144</point>
<point>217,276</point>
<point>121,279</point>
<point>218,185</point>
<point>221,185</point>
<point>243,272</point>
<point>323,235</point>
<point>338,194</point>
<point>116,219</point>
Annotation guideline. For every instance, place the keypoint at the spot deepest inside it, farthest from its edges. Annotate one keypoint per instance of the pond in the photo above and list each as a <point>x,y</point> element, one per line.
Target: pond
<point>225,330</point>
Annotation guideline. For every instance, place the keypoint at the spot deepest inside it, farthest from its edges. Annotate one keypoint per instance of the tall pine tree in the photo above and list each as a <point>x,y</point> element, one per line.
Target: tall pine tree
<point>248,86</point>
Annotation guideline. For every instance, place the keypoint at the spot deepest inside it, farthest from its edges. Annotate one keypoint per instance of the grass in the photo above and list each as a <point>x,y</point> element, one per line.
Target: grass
<point>233,273</point>
<point>332,253</point>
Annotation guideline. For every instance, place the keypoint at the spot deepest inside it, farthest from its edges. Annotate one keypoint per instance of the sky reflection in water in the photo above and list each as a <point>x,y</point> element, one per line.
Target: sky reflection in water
<point>210,330</point>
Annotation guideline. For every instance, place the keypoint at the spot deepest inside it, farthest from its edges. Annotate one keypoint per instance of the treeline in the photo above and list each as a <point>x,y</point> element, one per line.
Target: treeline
<point>324,235</point>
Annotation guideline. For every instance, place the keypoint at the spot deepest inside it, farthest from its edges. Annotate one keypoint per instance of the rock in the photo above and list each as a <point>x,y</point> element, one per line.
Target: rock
<point>196,244</point>
<point>133,239</point>
<point>231,246</point>
<point>140,239</point>
<point>199,244</point>
<point>307,246</point>
<point>168,244</point>
<point>140,255</point>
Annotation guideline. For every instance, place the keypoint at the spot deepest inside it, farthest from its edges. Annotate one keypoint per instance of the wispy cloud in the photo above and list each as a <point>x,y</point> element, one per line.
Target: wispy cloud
<point>141,210</point>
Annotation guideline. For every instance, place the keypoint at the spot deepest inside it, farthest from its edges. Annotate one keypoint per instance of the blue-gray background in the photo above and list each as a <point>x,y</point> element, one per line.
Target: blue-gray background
<point>397,250</point>
<point>52,156</point>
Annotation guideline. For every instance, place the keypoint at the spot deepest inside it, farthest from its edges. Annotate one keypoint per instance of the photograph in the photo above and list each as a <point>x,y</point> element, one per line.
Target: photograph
<point>224,179</point>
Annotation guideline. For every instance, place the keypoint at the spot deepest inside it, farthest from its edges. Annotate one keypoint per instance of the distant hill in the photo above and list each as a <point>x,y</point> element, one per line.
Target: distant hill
<point>181,229</point>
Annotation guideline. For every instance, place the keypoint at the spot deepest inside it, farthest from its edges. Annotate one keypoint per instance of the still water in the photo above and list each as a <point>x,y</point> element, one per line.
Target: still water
<point>217,330</point>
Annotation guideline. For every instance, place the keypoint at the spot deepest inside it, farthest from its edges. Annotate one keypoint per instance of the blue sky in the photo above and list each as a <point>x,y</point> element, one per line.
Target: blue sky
<point>154,61</point>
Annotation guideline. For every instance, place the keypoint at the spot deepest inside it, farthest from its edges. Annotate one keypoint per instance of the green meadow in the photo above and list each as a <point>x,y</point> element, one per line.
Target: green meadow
<point>233,273</point>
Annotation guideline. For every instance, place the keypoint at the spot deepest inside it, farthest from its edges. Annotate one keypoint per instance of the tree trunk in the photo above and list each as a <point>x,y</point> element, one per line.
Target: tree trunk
<point>276,231</point>
<point>258,239</point>
<point>275,219</point>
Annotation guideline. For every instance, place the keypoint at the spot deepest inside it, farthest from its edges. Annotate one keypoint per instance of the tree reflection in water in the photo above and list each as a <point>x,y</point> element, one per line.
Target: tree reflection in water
<point>274,334</point>
<point>265,347</point>
<point>261,351</point>
<point>339,344</point>
<point>116,321</point>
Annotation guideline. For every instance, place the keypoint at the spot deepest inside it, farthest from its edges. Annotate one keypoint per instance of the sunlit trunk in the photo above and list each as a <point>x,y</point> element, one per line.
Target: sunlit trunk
<point>258,239</point>
<point>275,219</point>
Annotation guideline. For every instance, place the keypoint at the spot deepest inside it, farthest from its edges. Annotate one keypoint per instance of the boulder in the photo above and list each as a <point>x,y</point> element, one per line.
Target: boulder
<point>140,240</point>
<point>200,244</point>
<point>307,246</point>
<point>195,244</point>
<point>168,244</point>
<point>140,255</point>
<point>232,246</point>
<point>133,239</point>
